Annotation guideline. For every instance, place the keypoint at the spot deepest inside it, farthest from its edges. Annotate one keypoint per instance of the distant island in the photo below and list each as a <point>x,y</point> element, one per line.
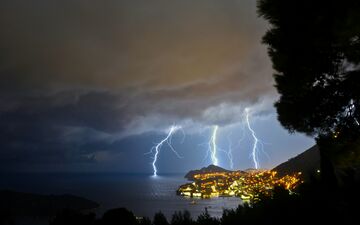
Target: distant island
<point>19,204</point>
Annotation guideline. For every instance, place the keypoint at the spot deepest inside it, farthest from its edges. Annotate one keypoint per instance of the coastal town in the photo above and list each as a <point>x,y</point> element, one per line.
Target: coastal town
<point>248,185</point>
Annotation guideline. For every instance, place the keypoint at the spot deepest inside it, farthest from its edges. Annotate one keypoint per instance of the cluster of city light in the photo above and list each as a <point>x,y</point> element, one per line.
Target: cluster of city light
<point>246,185</point>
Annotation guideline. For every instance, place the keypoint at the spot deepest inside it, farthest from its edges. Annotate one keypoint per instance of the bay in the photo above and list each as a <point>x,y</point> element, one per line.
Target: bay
<point>143,194</point>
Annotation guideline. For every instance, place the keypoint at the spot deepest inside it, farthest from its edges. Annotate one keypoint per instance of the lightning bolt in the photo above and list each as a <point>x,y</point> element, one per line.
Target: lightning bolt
<point>157,148</point>
<point>214,146</point>
<point>229,152</point>
<point>232,146</point>
<point>254,153</point>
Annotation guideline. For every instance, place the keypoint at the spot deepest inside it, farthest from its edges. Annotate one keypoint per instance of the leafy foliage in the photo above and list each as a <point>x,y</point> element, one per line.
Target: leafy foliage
<point>315,50</point>
<point>160,219</point>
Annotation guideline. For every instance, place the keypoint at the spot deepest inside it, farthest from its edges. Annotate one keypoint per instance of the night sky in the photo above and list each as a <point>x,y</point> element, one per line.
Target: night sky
<point>91,85</point>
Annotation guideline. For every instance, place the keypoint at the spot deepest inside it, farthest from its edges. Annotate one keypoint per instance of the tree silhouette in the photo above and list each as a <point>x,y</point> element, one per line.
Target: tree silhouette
<point>72,217</point>
<point>160,219</point>
<point>145,221</point>
<point>118,216</point>
<point>206,219</point>
<point>181,218</point>
<point>315,50</point>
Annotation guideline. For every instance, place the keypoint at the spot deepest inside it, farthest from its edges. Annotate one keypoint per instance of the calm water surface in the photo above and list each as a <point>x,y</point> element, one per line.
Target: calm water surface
<point>143,194</point>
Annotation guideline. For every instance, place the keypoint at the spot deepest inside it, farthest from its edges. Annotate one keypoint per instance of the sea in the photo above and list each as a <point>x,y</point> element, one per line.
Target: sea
<point>143,194</point>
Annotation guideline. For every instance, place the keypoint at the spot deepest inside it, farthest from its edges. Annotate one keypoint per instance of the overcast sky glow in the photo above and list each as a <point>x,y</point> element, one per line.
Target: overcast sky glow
<point>91,85</point>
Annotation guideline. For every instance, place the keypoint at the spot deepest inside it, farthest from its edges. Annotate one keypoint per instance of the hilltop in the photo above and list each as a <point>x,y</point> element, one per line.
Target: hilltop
<point>209,169</point>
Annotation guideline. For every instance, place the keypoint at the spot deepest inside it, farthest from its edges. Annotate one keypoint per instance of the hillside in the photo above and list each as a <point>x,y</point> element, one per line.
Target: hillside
<point>209,169</point>
<point>307,163</point>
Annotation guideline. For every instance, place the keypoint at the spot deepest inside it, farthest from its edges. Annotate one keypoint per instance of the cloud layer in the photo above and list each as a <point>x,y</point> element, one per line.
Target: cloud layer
<point>143,58</point>
<point>77,76</point>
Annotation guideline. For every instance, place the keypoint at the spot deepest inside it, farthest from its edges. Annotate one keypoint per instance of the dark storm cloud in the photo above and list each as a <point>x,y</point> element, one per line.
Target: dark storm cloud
<point>93,109</point>
<point>78,75</point>
<point>117,44</point>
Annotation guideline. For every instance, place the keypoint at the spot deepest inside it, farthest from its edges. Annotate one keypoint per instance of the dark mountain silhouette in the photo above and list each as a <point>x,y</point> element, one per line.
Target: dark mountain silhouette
<point>307,162</point>
<point>26,204</point>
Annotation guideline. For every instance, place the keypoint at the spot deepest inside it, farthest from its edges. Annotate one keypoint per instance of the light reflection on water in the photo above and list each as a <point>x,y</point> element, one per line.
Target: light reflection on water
<point>144,195</point>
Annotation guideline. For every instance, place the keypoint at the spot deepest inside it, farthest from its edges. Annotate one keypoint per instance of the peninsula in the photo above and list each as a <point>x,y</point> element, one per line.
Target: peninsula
<point>214,181</point>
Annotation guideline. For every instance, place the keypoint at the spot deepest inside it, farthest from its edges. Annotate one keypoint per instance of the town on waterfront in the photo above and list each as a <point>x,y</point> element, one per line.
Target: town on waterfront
<point>249,185</point>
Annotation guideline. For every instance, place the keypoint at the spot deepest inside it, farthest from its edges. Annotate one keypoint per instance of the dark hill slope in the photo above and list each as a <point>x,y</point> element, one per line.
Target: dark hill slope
<point>307,163</point>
